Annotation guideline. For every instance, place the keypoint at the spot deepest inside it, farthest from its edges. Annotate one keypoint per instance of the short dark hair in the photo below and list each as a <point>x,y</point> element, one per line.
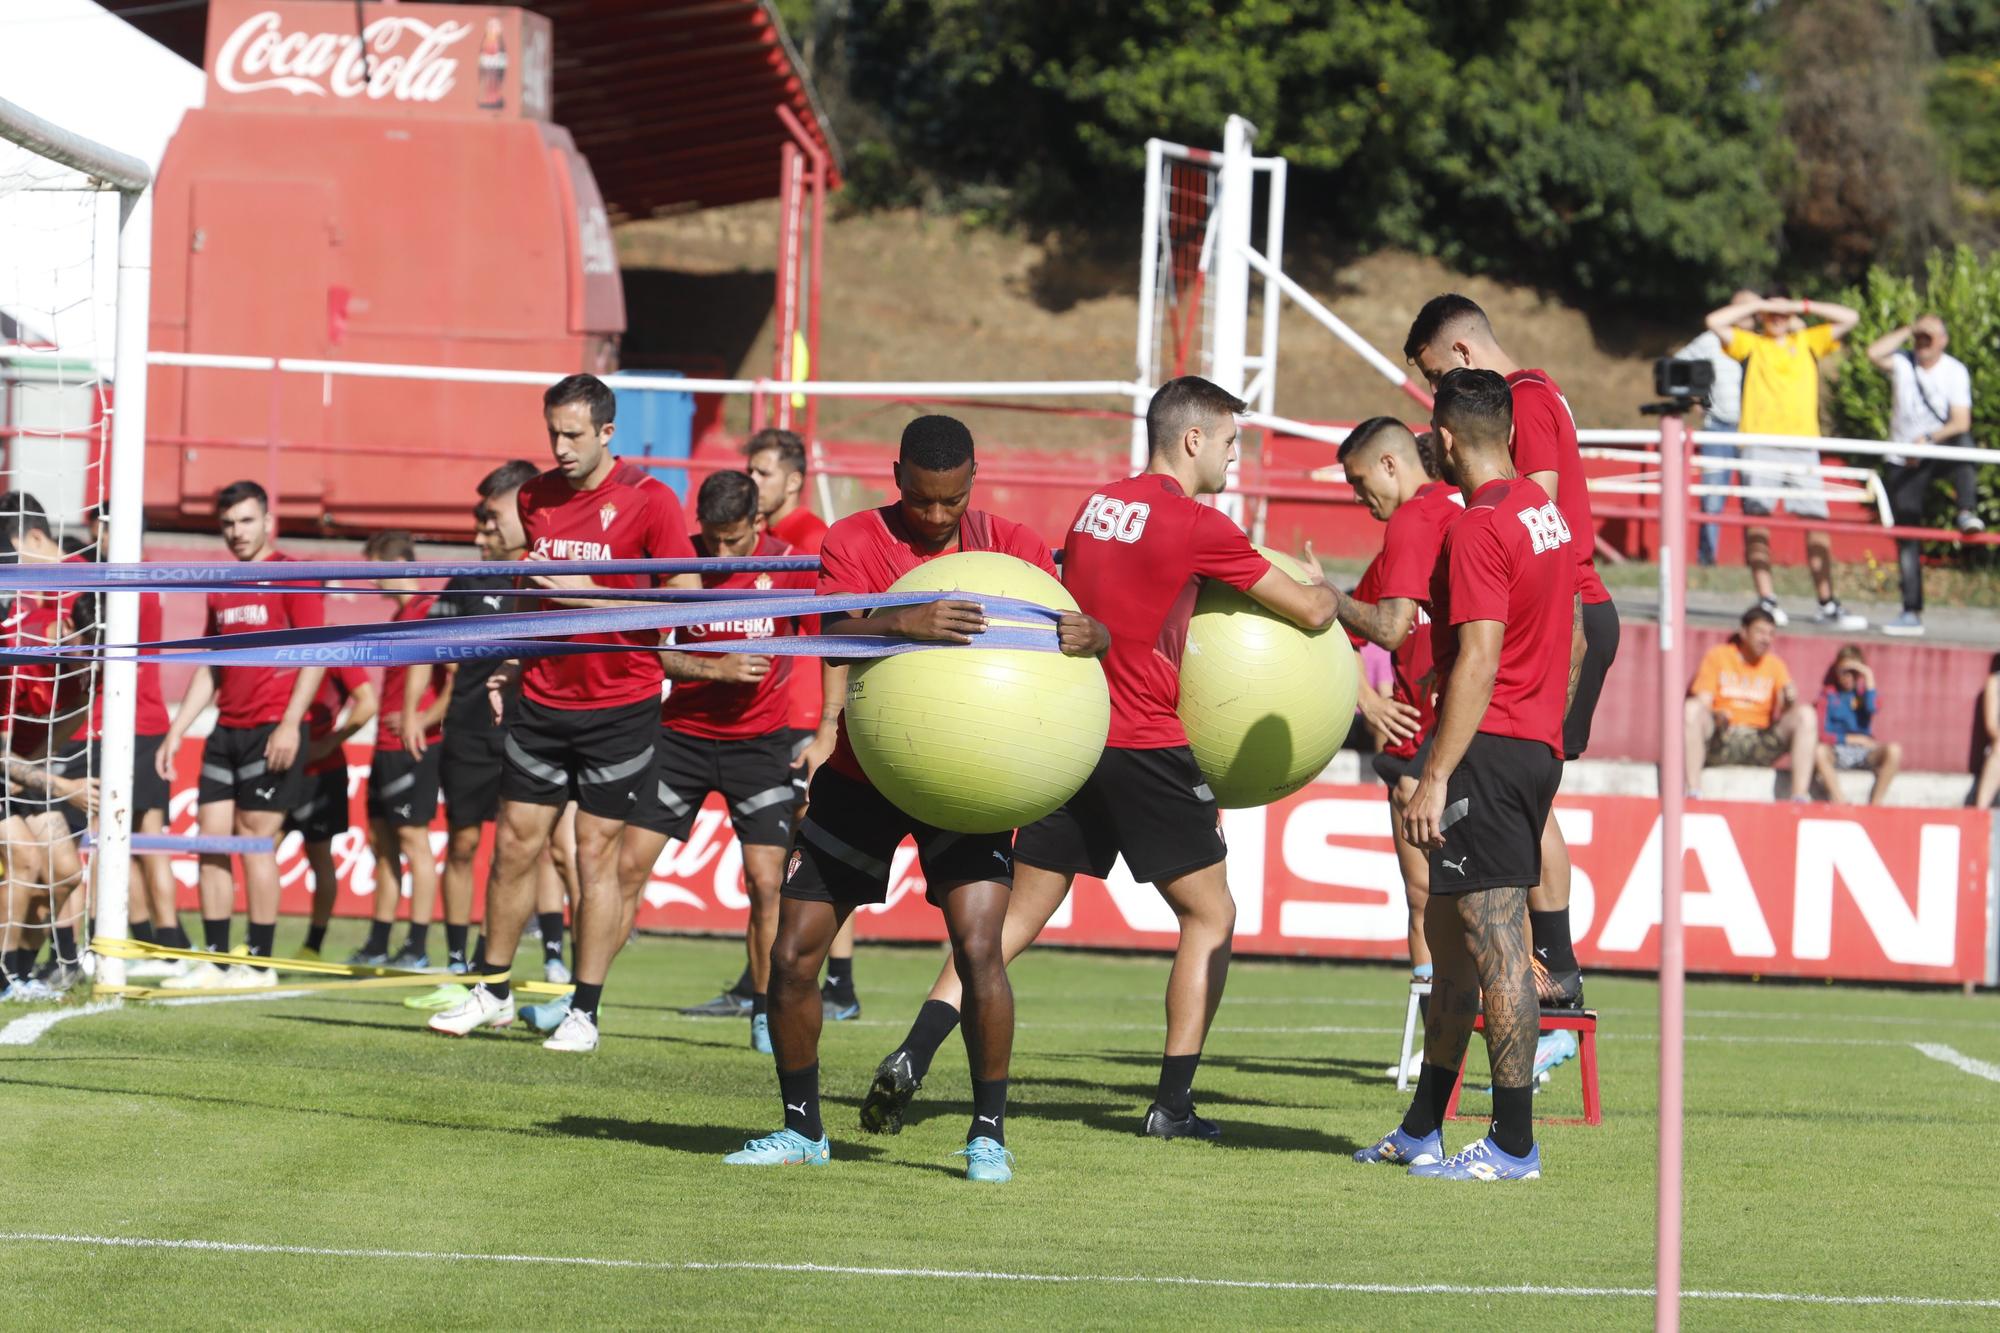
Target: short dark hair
<point>390,544</point>
<point>236,492</point>
<point>936,444</point>
<point>1427,453</point>
<point>586,389</point>
<point>1183,403</point>
<point>726,497</point>
<point>1757,615</point>
<point>791,450</point>
<point>1438,313</point>
<point>1476,406</point>
<point>1364,434</point>
<point>509,476</point>
<point>20,514</point>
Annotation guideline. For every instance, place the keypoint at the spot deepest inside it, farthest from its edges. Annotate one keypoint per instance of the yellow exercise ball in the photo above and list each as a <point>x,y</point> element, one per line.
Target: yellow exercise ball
<point>979,740</point>
<point>1265,703</point>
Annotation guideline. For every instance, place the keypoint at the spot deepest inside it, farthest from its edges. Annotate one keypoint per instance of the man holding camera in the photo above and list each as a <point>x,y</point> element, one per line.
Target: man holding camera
<point>1931,403</point>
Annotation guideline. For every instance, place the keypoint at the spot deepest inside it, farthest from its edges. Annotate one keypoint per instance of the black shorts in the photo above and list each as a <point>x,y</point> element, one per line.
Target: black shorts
<point>469,776</point>
<point>597,757</point>
<point>753,775</point>
<point>404,791</point>
<point>80,762</point>
<point>150,791</point>
<point>796,740</point>
<point>849,839</point>
<point>1393,768</point>
<point>233,769</point>
<point>1600,649</point>
<point>1496,804</point>
<point>1153,807</point>
<point>323,815</point>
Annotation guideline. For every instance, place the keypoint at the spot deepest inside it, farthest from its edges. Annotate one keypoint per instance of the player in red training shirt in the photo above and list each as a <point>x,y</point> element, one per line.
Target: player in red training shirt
<point>586,724</point>
<point>724,729</point>
<point>776,461</point>
<point>251,774</point>
<point>1396,478</point>
<point>1452,331</point>
<point>852,830</point>
<point>346,703</point>
<point>1135,558</point>
<point>1503,616</point>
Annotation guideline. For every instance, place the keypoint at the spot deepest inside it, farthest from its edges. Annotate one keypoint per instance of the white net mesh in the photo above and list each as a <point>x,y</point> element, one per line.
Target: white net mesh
<point>57,240</point>
<point>1183,245</point>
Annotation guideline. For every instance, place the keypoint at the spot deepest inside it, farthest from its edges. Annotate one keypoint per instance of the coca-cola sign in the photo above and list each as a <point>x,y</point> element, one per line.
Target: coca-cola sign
<point>301,55</point>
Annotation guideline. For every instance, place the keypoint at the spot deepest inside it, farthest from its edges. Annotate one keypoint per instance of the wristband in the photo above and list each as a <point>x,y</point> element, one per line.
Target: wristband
<point>1805,307</point>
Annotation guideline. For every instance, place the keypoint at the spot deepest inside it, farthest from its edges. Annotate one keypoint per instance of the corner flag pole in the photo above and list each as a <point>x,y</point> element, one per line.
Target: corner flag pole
<point>1673,785</point>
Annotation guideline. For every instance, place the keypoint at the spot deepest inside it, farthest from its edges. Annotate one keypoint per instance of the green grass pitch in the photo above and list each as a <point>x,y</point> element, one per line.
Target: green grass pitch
<point>1827,1157</point>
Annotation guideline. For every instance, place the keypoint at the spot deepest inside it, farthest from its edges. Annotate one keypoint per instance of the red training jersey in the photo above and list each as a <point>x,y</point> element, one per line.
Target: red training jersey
<point>1410,545</point>
<point>1134,560</point>
<point>868,551</point>
<point>336,687</point>
<point>631,515</point>
<point>256,696</point>
<point>721,711</point>
<point>150,707</point>
<point>1545,441</point>
<point>803,531</point>
<point>1507,558</point>
<point>32,709</point>
<point>387,737</point>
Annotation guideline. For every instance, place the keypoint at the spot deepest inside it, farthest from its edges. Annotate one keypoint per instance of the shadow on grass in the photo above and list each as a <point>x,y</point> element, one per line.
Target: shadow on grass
<point>517,1032</point>
<point>701,1140</point>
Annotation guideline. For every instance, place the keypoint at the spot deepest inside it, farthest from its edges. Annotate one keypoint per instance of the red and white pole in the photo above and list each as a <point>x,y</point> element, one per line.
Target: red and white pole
<point>1673,786</point>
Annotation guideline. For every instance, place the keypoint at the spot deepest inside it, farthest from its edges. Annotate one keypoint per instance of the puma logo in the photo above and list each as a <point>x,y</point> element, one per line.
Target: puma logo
<point>1455,867</point>
<point>992,1120</point>
<point>266,793</point>
<point>800,1108</point>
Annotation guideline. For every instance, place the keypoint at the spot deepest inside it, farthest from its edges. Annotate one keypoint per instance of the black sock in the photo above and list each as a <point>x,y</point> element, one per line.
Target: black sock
<point>142,931</point>
<point>378,937</point>
<point>552,928</point>
<point>419,938</point>
<point>1426,1113</point>
<point>1176,1090</point>
<point>175,937</point>
<point>20,962</point>
<point>800,1090</point>
<point>935,1022</point>
<point>586,999</point>
<point>500,989</point>
<point>743,983</point>
<point>454,940</point>
<point>1552,942</point>
<point>215,934</point>
<point>65,943</point>
<point>1513,1129</point>
<point>989,1110</point>
<point>316,936</point>
<point>840,973</point>
<point>262,938</point>
<point>759,1003</point>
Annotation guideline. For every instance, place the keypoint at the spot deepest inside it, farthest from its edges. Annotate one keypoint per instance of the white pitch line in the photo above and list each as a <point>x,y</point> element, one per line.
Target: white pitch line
<point>27,1031</point>
<point>985,1275</point>
<point>1958,1060</point>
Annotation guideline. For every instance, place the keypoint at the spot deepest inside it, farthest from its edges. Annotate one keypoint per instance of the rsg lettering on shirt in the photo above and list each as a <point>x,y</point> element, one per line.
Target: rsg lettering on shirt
<point>565,548</point>
<point>1546,528</point>
<point>1110,519</point>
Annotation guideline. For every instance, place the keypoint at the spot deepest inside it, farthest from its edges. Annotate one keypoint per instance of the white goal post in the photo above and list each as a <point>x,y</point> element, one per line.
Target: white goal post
<point>78,163</point>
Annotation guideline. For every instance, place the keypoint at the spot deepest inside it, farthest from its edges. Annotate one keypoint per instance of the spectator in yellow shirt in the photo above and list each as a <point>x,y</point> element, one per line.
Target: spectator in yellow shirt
<point>1781,397</point>
<point>1742,709</point>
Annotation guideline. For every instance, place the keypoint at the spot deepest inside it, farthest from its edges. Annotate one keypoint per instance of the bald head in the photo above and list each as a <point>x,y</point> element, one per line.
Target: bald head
<point>1450,332</point>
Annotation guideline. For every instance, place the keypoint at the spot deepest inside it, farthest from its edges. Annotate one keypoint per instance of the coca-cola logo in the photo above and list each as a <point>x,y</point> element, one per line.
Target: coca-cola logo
<point>260,55</point>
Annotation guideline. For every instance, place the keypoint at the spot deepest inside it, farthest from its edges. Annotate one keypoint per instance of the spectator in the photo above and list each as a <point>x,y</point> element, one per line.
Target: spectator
<point>1781,397</point>
<point>1988,785</point>
<point>1378,682</point>
<point>1742,709</point>
<point>1930,403</point>
<point>1721,413</point>
<point>1848,743</point>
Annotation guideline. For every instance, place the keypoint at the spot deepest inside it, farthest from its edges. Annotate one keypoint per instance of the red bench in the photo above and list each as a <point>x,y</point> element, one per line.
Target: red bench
<point>1583,1022</point>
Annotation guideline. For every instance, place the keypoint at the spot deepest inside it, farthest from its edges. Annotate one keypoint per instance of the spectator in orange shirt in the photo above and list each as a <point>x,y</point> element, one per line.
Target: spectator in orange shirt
<point>1742,709</point>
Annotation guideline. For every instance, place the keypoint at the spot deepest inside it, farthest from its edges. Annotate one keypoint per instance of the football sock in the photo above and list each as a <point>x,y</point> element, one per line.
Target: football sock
<point>142,931</point>
<point>174,937</point>
<point>378,937</point>
<point>215,934</point>
<point>759,1004</point>
<point>586,999</point>
<point>1176,1090</point>
<point>800,1089</point>
<point>500,989</point>
<point>935,1022</point>
<point>743,984</point>
<point>454,939</point>
<point>1426,1111</point>
<point>419,938</point>
<point>65,943</point>
<point>1513,1129</point>
<point>1552,942</point>
<point>989,1110</point>
<point>316,936</point>
<point>840,973</point>
<point>262,938</point>
<point>552,935</point>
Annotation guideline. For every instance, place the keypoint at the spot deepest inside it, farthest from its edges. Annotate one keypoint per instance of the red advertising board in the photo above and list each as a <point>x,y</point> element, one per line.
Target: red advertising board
<point>1844,892</point>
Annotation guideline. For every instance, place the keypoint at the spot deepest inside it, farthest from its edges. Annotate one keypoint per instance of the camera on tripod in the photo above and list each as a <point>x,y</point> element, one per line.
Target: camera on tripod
<point>1684,383</point>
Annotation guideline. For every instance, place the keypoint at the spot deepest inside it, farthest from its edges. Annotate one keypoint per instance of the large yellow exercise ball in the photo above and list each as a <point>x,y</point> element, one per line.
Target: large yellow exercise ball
<point>979,740</point>
<point>1265,703</point>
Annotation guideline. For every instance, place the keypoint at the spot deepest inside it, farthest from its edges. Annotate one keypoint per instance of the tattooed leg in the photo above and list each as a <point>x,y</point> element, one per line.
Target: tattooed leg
<point>1454,983</point>
<point>1496,936</point>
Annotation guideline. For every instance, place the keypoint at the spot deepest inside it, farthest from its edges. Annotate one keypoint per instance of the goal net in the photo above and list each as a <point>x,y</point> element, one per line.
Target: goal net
<point>68,209</point>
